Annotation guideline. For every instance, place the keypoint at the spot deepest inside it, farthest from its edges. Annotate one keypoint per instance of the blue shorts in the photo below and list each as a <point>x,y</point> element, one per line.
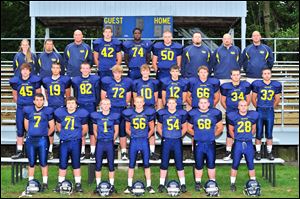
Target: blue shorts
<point>240,148</point>
<point>136,145</point>
<point>108,148</point>
<point>119,110</point>
<point>91,107</point>
<point>171,145</point>
<point>69,148</point>
<point>37,146</point>
<point>206,150</point>
<point>265,119</point>
<point>20,120</point>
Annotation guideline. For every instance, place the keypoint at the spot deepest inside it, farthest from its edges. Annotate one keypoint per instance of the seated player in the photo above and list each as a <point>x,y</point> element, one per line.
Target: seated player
<point>140,127</point>
<point>205,124</point>
<point>72,126</point>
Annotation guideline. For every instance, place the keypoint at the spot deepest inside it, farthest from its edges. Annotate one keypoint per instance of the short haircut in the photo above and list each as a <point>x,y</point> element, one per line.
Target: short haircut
<point>55,63</point>
<point>203,68</point>
<point>172,98</point>
<point>204,99</point>
<point>266,68</point>
<point>167,31</point>
<point>235,70</point>
<point>136,29</point>
<point>108,28</point>
<point>145,67</point>
<point>105,99</point>
<point>242,101</point>
<point>25,66</point>
<point>139,97</point>
<point>117,68</point>
<point>71,99</point>
<point>85,63</point>
<point>174,67</point>
<point>48,40</point>
<point>40,95</point>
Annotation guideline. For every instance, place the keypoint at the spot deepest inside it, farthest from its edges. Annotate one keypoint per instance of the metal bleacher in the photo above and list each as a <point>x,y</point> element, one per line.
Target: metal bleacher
<point>286,128</point>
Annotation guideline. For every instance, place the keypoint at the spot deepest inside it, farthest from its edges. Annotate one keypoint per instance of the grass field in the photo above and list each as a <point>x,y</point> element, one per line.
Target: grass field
<point>287,182</point>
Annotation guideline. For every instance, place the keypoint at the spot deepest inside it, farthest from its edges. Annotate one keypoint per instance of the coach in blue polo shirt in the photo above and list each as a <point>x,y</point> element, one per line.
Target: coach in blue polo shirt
<point>76,53</point>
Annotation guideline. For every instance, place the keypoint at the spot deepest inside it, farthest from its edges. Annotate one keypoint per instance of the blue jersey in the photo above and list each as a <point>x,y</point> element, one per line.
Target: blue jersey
<point>38,120</point>
<point>234,94</point>
<point>45,62</point>
<point>86,89</point>
<point>105,124</point>
<point>242,124</point>
<point>225,60</point>
<point>20,58</point>
<point>116,91</point>
<point>146,89</point>
<point>137,52</point>
<point>107,53</point>
<point>171,122</point>
<point>75,55</point>
<point>56,90</point>
<point>167,56</point>
<point>175,88</point>
<point>25,88</point>
<point>139,121</point>
<point>204,124</point>
<point>71,124</point>
<point>255,58</point>
<point>201,89</point>
<point>193,57</point>
<point>266,93</point>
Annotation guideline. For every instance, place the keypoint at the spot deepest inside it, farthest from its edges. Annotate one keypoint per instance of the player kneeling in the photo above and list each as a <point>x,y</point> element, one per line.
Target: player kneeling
<point>140,127</point>
<point>106,128</point>
<point>205,124</point>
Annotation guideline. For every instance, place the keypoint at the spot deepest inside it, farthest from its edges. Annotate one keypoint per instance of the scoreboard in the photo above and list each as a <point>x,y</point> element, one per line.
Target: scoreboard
<point>152,27</point>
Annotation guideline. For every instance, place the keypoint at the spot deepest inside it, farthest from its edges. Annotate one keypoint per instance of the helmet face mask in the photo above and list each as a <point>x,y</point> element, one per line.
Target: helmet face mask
<point>211,188</point>
<point>104,188</point>
<point>252,188</point>
<point>66,187</point>
<point>33,186</point>
<point>138,188</point>
<point>173,188</point>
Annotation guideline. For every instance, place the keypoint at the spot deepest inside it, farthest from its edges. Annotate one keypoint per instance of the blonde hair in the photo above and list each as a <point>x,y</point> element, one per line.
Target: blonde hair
<point>117,68</point>
<point>145,67</point>
<point>28,53</point>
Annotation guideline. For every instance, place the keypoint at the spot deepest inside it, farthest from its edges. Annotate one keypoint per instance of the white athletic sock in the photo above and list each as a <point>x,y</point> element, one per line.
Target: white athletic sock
<point>152,148</point>
<point>98,180</point>
<point>253,178</point>
<point>182,180</point>
<point>83,149</point>
<point>148,183</point>
<point>258,147</point>
<point>45,179</point>
<point>228,148</point>
<point>269,148</point>
<point>123,150</point>
<point>19,147</point>
<point>112,181</point>
<point>213,179</point>
<point>129,182</point>
<point>198,180</point>
<point>162,181</point>
<point>93,148</point>
<point>232,180</point>
<point>30,178</point>
<point>61,179</point>
<point>78,179</point>
<point>50,147</point>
